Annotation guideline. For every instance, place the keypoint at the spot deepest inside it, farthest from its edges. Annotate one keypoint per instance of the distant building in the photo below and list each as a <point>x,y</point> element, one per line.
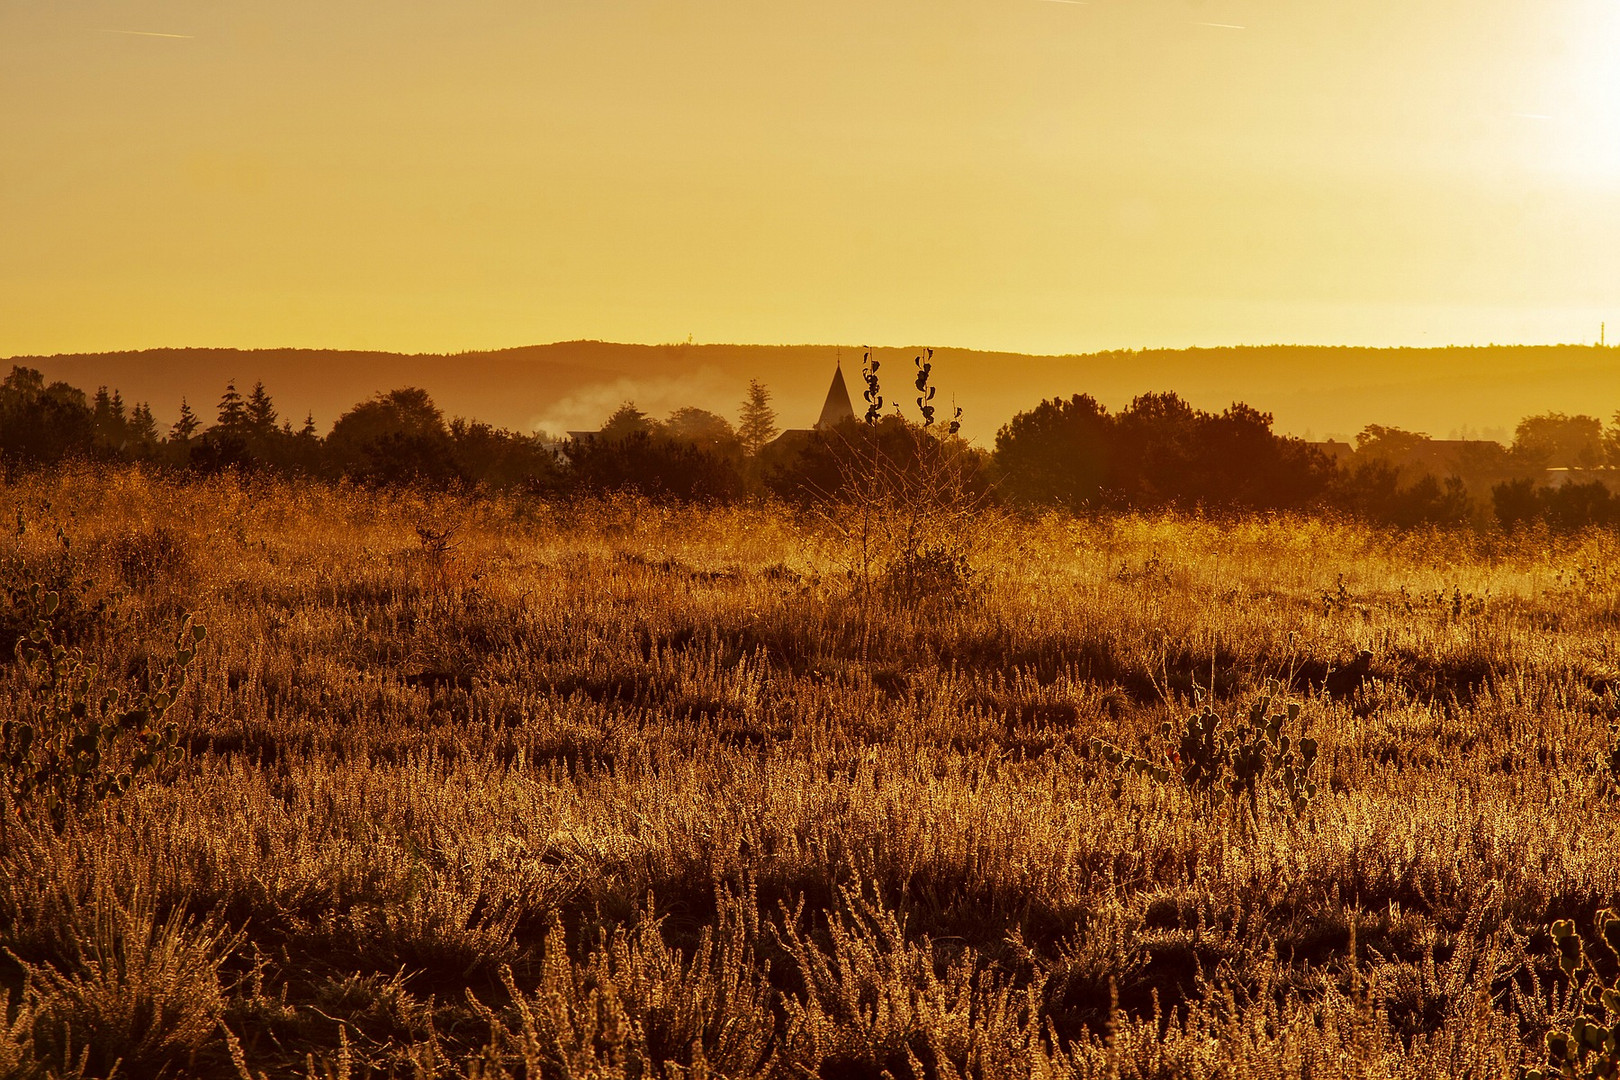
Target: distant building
<point>834,411</point>
<point>1336,451</point>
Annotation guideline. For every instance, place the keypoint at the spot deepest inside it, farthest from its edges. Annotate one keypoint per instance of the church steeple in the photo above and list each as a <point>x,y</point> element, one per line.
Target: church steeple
<point>837,408</point>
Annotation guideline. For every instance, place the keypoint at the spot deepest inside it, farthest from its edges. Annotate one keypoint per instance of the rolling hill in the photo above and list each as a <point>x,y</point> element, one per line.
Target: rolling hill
<point>1311,390</point>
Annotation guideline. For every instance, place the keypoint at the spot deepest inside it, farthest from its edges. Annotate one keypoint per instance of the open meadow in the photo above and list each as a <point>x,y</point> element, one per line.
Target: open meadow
<point>499,786</point>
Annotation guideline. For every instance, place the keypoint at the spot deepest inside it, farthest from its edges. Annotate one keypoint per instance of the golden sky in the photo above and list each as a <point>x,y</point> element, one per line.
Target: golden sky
<point>1039,175</point>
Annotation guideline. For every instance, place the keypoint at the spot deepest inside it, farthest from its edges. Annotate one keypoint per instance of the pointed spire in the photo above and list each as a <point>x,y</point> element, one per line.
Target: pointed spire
<point>837,408</point>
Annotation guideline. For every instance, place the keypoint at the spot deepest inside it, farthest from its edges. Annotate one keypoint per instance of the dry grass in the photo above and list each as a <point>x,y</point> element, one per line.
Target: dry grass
<point>621,790</point>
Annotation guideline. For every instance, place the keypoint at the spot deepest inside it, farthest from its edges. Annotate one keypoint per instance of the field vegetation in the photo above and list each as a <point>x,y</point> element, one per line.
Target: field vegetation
<point>515,785</point>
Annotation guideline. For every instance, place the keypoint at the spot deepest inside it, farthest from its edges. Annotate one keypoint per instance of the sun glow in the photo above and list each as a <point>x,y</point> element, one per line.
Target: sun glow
<point>1582,109</point>
<point>1043,176</point>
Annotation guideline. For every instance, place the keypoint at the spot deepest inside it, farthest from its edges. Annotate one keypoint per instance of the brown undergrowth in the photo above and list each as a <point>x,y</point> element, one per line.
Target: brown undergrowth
<point>618,789</point>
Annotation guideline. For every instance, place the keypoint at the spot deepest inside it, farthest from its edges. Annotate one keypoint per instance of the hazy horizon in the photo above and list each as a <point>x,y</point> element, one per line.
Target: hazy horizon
<point>1312,391</point>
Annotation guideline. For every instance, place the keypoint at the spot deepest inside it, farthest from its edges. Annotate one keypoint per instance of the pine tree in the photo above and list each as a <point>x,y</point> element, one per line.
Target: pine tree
<point>143,425</point>
<point>758,425</point>
<point>261,413</point>
<point>232,411</point>
<point>304,446</point>
<point>185,427</point>
<point>111,424</point>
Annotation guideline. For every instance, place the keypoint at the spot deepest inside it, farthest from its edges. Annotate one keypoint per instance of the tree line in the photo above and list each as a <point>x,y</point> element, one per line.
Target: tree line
<point>1160,451</point>
<point>396,437</point>
<point>1073,454</point>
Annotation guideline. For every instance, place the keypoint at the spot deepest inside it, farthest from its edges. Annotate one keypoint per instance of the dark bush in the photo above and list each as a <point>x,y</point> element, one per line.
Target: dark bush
<point>1570,508</point>
<point>851,460</point>
<point>397,437</point>
<point>1159,452</point>
<point>1373,491</point>
<point>42,424</point>
<point>503,459</point>
<point>1057,454</point>
<point>652,464</point>
<point>215,451</point>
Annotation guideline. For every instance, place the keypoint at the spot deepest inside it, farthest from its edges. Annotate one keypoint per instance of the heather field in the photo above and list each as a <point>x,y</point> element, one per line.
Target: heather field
<point>495,786</point>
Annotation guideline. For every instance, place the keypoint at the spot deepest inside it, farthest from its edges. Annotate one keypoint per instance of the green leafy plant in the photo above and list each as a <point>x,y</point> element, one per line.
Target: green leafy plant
<point>1589,1049</point>
<point>1249,759</point>
<point>77,741</point>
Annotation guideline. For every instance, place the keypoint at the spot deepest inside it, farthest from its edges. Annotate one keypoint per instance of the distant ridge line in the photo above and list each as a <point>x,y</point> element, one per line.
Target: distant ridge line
<point>1309,389</point>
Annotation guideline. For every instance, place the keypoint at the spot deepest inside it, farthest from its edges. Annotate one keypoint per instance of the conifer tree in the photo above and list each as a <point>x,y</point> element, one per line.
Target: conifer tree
<point>758,425</point>
<point>111,423</point>
<point>186,426</point>
<point>232,411</point>
<point>261,412</point>
<point>143,425</point>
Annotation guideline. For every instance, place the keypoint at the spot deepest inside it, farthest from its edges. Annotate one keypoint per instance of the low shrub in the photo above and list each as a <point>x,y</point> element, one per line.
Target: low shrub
<point>1589,1049</point>
<point>1251,760</point>
<point>76,741</point>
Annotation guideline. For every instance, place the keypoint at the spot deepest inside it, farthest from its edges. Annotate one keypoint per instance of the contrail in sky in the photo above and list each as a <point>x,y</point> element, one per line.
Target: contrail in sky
<point>146,33</point>
<point>1076,3</point>
<point>1222,25</point>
